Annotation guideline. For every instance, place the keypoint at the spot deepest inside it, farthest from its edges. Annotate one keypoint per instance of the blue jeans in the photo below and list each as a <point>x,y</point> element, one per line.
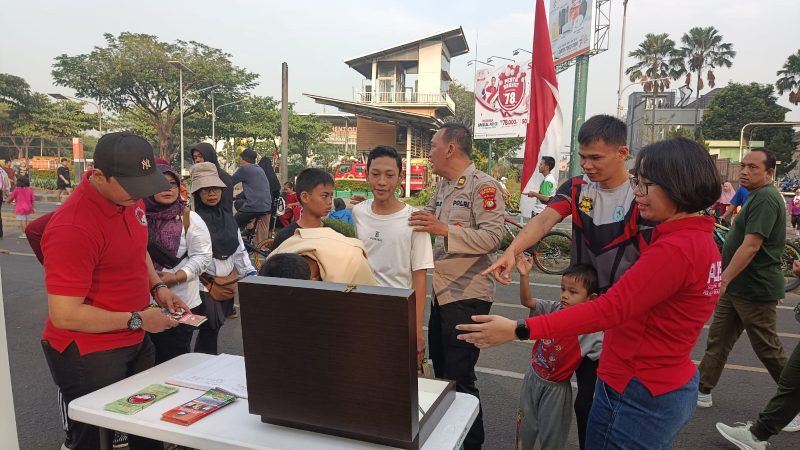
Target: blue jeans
<point>634,419</point>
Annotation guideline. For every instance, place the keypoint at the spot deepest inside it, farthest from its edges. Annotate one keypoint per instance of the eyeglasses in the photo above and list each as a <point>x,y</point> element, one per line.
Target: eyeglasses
<point>643,187</point>
<point>207,190</point>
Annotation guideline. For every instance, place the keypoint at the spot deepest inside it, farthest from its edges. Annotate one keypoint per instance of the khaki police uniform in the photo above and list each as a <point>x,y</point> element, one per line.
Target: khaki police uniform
<point>473,207</point>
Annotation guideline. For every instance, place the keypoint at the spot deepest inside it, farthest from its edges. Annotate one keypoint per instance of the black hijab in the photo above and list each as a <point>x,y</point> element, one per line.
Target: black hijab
<point>209,155</point>
<point>274,183</point>
<point>221,226</point>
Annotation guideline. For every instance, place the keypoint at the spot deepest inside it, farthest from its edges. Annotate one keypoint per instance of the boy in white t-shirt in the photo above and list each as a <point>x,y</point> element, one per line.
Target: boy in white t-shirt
<point>399,256</point>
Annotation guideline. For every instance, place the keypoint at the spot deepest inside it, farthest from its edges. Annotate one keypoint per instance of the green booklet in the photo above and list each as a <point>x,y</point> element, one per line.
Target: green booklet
<point>132,404</point>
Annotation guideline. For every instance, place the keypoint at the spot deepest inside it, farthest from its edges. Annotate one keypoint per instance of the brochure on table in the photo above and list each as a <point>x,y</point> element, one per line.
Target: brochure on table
<point>223,371</point>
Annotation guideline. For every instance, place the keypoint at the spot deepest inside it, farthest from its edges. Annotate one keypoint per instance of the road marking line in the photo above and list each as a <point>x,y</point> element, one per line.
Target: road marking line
<point>520,376</point>
<point>21,254</point>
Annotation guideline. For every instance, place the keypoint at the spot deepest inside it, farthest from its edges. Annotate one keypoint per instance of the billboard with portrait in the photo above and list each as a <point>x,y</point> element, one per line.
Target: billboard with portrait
<point>502,97</point>
<point>571,28</point>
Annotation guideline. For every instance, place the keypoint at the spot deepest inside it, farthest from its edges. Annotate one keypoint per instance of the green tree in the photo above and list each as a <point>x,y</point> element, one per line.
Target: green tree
<point>19,105</point>
<point>305,133</point>
<point>64,118</point>
<point>133,71</point>
<point>703,49</point>
<point>502,149</point>
<point>657,62</point>
<point>736,105</point>
<point>789,80</point>
<point>464,100</point>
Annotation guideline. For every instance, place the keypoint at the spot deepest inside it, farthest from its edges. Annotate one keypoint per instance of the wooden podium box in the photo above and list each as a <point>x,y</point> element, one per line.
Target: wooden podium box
<point>336,359</point>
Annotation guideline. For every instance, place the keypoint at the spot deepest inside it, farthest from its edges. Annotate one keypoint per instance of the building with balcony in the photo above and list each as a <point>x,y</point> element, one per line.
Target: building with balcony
<point>403,97</point>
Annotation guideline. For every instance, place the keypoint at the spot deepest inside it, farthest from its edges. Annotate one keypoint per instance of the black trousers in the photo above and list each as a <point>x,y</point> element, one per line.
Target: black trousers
<point>243,218</point>
<point>207,334</point>
<point>77,375</point>
<point>453,359</point>
<point>586,375</point>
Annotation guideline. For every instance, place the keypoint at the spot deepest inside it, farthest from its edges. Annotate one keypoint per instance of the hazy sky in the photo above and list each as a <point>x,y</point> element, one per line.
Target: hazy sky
<point>315,37</point>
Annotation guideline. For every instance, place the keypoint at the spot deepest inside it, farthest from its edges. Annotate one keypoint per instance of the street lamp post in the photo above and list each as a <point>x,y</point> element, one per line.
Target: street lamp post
<point>489,59</point>
<point>181,67</point>
<point>214,117</point>
<point>96,105</point>
<point>517,50</point>
<point>212,108</point>
<point>621,57</point>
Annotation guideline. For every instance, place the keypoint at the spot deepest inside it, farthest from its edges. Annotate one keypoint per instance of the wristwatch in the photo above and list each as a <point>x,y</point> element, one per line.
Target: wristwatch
<point>522,331</point>
<point>135,321</point>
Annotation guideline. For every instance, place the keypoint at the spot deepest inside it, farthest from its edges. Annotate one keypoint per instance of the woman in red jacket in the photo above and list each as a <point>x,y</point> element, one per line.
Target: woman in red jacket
<point>647,384</point>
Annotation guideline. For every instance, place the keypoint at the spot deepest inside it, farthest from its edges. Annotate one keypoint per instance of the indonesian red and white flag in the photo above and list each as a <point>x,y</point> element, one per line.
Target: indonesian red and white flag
<point>543,135</point>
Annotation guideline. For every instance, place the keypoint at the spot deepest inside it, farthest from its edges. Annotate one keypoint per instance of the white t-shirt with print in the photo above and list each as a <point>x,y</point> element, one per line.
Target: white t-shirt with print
<point>394,249</point>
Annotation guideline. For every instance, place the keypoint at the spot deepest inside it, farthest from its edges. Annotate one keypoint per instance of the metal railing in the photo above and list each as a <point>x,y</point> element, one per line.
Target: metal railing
<point>405,98</point>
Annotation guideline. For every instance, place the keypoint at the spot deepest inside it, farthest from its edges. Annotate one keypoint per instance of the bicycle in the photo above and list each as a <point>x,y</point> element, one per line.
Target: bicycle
<point>551,254</point>
<point>791,253</point>
<point>259,251</point>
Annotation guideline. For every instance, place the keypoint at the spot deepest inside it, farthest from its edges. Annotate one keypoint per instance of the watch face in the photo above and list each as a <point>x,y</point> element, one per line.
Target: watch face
<point>522,331</point>
<point>136,322</point>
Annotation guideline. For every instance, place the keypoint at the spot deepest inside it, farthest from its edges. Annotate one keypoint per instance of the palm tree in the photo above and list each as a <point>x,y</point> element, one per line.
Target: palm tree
<point>789,80</point>
<point>657,62</point>
<point>703,49</point>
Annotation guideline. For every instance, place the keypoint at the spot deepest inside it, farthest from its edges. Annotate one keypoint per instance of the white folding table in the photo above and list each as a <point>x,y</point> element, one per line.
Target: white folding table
<point>233,427</point>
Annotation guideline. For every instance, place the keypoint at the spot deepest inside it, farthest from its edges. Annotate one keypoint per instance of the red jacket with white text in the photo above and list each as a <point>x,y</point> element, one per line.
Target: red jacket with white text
<point>654,313</point>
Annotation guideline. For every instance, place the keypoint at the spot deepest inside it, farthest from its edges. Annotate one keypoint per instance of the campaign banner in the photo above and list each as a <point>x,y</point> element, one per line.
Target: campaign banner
<point>571,28</point>
<point>502,101</point>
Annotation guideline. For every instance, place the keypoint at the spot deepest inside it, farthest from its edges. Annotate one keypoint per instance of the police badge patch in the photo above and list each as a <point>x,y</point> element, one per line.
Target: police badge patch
<point>585,205</point>
<point>489,195</point>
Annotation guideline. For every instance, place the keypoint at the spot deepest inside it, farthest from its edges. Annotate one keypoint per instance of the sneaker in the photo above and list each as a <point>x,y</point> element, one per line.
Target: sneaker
<point>120,440</point>
<point>741,436</point>
<point>22,236</point>
<point>704,400</point>
<point>794,425</point>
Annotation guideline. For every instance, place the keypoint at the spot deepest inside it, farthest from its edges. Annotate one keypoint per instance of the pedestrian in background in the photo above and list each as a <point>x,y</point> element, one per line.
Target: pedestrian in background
<point>794,209</point>
<point>23,200</point>
<point>752,280</point>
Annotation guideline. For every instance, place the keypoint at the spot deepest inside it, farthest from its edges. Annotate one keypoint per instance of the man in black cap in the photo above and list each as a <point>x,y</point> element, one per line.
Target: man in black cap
<point>257,195</point>
<point>99,280</point>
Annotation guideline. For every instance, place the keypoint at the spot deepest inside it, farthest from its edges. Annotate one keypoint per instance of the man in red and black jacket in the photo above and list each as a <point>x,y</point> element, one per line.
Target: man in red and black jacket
<point>607,231</point>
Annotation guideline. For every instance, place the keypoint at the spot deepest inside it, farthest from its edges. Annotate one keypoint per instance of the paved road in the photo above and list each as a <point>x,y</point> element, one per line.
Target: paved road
<point>743,390</point>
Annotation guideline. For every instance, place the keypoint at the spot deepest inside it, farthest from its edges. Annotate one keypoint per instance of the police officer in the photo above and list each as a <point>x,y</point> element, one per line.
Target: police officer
<point>466,218</point>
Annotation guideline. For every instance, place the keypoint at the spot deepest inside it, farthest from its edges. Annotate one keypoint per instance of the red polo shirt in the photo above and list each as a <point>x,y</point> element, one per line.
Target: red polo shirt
<point>654,313</point>
<point>96,249</point>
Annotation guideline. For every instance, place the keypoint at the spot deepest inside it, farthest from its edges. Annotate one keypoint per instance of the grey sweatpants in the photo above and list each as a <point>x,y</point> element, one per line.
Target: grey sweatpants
<point>545,411</point>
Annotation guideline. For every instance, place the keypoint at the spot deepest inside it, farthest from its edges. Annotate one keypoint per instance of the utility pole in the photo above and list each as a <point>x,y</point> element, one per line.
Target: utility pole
<point>284,122</point>
<point>578,111</point>
<point>621,58</point>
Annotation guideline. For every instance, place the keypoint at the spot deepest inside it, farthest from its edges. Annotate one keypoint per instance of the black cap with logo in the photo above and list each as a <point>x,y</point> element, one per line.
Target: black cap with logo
<point>129,159</point>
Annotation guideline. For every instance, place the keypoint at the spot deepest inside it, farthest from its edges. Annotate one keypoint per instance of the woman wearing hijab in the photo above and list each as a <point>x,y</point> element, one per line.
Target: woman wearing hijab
<point>274,184</point>
<point>228,252</point>
<point>725,199</point>
<point>180,246</point>
<point>204,152</point>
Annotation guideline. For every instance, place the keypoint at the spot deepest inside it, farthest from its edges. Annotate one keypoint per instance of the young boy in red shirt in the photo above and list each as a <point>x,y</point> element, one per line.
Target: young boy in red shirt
<point>545,404</point>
